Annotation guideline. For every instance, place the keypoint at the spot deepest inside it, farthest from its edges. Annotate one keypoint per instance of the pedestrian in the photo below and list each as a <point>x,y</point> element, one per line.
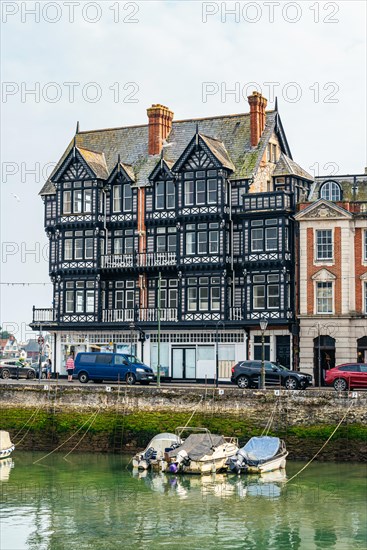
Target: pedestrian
<point>49,368</point>
<point>70,367</point>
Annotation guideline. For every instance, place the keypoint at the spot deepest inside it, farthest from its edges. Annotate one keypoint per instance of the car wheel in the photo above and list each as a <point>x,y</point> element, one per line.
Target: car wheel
<point>243,382</point>
<point>44,376</point>
<point>5,373</point>
<point>340,384</point>
<point>83,377</point>
<point>130,379</point>
<point>291,383</point>
<point>30,375</point>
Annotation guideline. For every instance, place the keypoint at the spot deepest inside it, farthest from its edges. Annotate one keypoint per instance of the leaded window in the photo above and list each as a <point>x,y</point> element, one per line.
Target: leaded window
<point>324,244</point>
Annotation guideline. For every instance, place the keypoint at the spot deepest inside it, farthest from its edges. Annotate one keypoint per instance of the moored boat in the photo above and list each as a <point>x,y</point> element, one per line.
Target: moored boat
<point>154,453</point>
<point>260,454</point>
<point>201,453</point>
<point>6,446</point>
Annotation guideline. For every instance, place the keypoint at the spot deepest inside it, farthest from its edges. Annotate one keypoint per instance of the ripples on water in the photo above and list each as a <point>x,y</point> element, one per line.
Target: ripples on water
<point>92,502</point>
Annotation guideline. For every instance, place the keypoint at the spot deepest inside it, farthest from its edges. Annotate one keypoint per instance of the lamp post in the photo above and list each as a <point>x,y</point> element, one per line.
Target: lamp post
<point>263,326</point>
<point>159,332</point>
<point>216,353</point>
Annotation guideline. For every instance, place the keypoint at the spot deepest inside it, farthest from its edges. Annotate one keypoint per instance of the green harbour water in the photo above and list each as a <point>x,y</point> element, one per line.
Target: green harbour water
<point>95,501</point>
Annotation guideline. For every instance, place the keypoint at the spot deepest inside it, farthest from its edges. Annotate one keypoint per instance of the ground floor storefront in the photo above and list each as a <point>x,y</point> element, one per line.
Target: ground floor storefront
<point>325,343</point>
<point>182,354</point>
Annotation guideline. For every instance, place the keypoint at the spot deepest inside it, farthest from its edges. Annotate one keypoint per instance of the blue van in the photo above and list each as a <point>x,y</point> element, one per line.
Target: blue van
<point>111,366</point>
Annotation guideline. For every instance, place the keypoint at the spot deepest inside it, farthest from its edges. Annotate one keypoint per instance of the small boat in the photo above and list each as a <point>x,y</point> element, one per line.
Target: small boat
<point>200,453</point>
<point>6,446</point>
<point>6,466</point>
<point>153,455</point>
<point>259,455</point>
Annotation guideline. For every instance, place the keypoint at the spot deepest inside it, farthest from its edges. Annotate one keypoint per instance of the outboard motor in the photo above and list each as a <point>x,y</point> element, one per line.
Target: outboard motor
<point>181,459</point>
<point>237,463</point>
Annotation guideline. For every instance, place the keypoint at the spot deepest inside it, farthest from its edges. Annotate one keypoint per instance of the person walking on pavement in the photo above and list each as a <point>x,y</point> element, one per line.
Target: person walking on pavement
<point>70,367</point>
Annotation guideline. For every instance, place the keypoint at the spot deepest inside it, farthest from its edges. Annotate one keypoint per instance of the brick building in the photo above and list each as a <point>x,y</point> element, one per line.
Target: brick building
<point>332,273</point>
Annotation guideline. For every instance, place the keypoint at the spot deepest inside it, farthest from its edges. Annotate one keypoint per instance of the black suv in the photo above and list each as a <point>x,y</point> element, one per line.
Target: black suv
<point>246,374</point>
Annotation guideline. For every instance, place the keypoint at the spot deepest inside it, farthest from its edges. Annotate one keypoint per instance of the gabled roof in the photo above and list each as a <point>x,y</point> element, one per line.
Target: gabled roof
<point>163,165</point>
<point>214,147</point>
<point>228,137</point>
<point>287,167</point>
<point>125,169</point>
<point>323,209</point>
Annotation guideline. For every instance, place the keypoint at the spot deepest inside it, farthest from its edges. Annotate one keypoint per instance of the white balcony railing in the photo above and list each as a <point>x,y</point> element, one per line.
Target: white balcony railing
<point>151,315</point>
<point>235,314</point>
<point>118,315</point>
<point>43,315</point>
<point>151,259</point>
<point>117,260</point>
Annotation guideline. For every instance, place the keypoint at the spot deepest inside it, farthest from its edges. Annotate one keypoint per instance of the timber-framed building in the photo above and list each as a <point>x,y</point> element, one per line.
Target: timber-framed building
<point>187,222</point>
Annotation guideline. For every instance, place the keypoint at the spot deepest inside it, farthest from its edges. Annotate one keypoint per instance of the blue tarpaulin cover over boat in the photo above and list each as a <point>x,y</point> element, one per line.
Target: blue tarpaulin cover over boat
<point>261,448</point>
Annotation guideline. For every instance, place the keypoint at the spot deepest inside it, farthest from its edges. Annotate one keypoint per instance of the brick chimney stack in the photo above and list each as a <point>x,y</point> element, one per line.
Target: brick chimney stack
<point>258,105</point>
<point>160,124</point>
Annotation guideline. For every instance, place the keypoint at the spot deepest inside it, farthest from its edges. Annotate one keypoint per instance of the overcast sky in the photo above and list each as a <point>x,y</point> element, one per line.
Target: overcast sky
<point>123,56</point>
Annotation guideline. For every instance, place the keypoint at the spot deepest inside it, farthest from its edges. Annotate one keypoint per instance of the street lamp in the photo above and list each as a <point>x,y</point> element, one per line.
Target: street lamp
<point>263,326</point>
<point>216,353</point>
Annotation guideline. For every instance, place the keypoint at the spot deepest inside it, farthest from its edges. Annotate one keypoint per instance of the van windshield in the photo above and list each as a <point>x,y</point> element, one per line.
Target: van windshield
<point>134,359</point>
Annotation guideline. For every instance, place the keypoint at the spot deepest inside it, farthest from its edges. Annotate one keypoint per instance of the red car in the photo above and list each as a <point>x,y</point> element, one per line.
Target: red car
<point>347,376</point>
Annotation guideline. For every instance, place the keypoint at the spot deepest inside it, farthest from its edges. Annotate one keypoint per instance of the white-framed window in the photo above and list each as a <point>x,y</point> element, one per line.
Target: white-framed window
<point>89,301</point>
<point>68,249</point>
<point>78,249</point>
<point>273,296</point>
<point>215,297</point>
<point>191,298</point>
<point>324,297</point>
<point>69,301</point>
<point>259,296</point>
<point>78,201</point>
<point>127,197</point>
<point>67,202</point>
<point>271,238</point>
<point>159,195</point>
<point>116,206</point>
<point>88,200</point>
<point>324,244</point>
<point>189,193</point>
<point>330,191</point>
<point>257,237</point>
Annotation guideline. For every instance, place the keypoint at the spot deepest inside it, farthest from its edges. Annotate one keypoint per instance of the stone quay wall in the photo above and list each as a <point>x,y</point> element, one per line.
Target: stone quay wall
<point>123,419</point>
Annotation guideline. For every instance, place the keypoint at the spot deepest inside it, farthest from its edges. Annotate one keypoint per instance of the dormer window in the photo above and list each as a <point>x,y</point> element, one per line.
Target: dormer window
<point>165,195</point>
<point>330,191</point>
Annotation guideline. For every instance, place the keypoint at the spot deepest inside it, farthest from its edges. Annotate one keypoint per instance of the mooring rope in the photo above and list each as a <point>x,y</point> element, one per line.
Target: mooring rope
<point>83,436</point>
<point>62,444</point>
<point>22,428</point>
<point>271,419</point>
<point>193,412</point>
<point>324,445</point>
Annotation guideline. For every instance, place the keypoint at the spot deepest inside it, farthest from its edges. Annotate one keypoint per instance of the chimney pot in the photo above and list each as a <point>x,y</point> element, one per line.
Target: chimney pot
<point>160,124</point>
<point>258,105</point>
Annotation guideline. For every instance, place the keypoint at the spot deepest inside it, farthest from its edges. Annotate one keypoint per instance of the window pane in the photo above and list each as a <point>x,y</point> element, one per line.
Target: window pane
<point>213,242</point>
<point>161,243</point>
<point>90,301</point>
<point>330,191</point>
<point>189,193</point>
<point>172,296</point>
<point>129,245</point>
<point>89,248</point>
<point>117,198</point>
<point>117,246</point>
<point>67,202</point>
<point>191,299</point>
<point>256,239</point>
<point>203,298</point>
<point>259,297</point>
<point>78,249</point>
<point>273,296</point>
<point>68,250</point>
<point>324,244</point>
<point>159,195</point>
<point>119,299</point>
<point>88,200</point>
<point>271,238</point>
<point>69,301</point>
<point>324,297</point>
<point>215,298</point>
<point>79,301</point>
<point>212,191</point>
<point>190,243</point>
<point>170,192</point>
<point>128,197</point>
<point>171,243</point>
<point>202,242</point>
<point>129,299</point>
<point>200,192</point>
<point>77,202</point>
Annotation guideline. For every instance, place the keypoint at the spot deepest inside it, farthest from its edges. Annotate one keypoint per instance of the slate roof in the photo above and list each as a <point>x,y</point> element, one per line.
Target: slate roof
<point>96,161</point>
<point>228,136</point>
<point>286,166</point>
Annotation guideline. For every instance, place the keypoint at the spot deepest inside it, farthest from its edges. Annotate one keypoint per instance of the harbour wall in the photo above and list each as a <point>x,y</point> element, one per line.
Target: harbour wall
<point>118,419</point>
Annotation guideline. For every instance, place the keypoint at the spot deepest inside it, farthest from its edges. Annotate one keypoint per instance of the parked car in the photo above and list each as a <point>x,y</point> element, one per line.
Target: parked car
<point>111,366</point>
<point>35,366</point>
<point>246,374</point>
<point>347,376</point>
<point>13,368</point>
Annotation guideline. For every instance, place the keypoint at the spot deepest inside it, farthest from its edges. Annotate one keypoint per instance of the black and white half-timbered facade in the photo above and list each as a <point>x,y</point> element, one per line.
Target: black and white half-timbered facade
<point>186,223</point>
